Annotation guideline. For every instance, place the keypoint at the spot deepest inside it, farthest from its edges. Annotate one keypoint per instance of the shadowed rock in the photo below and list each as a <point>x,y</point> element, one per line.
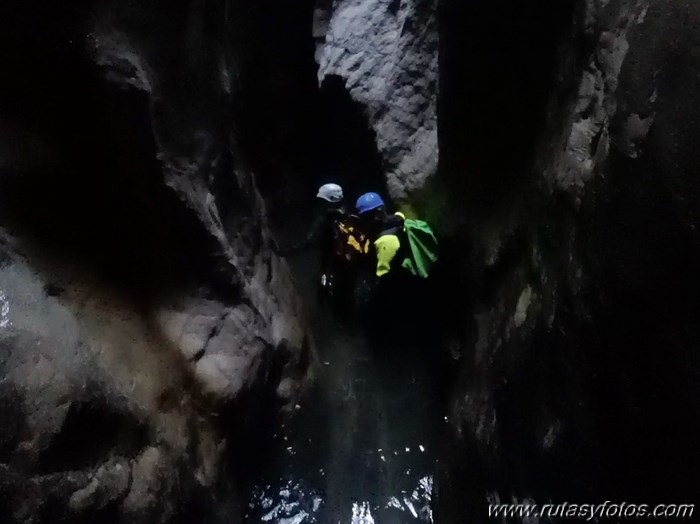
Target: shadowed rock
<point>143,315</point>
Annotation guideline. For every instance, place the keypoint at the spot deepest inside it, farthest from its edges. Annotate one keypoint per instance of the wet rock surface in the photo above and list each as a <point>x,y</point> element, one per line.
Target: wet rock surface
<point>145,323</point>
<point>577,371</point>
<point>84,385</point>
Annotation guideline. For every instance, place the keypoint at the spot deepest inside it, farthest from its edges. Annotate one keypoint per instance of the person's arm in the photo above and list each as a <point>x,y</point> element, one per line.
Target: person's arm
<point>311,237</point>
<point>315,231</point>
<point>386,247</point>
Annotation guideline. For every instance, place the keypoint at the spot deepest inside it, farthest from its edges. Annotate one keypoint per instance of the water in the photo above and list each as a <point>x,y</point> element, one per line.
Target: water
<point>293,502</point>
<point>362,447</point>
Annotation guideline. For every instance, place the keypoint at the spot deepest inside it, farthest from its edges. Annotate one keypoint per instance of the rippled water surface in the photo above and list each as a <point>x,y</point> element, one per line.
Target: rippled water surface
<point>362,446</point>
<point>293,502</point>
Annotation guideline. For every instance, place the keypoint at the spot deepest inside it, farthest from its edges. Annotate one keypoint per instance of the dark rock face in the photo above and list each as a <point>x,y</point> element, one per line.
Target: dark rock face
<point>144,317</point>
<point>579,373</point>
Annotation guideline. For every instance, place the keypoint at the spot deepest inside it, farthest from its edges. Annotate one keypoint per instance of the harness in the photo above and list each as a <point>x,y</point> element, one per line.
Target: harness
<point>349,242</point>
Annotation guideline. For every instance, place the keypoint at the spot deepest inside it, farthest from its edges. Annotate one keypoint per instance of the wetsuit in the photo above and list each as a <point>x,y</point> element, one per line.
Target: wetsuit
<point>390,245</point>
<point>400,302</point>
<point>338,272</point>
<point>322,232</point>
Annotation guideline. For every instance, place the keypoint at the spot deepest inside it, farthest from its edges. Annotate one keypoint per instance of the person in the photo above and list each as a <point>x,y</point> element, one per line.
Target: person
<point>404,252</point>
<point>385,230</point>
<point>399,242</point>
<point>342,244</point>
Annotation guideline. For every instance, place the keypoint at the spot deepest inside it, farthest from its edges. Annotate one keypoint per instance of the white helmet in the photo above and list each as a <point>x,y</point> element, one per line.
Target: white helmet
<point>331,192</point>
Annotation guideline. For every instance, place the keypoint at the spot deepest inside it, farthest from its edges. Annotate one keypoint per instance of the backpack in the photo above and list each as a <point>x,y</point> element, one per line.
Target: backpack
<point>422,250</point>
<point>350,243</point>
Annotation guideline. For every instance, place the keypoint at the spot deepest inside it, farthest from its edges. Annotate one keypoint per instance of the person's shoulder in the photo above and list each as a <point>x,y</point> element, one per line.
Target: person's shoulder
<point>395,220</point>
<point>336,213</point>
<point>392,225</point>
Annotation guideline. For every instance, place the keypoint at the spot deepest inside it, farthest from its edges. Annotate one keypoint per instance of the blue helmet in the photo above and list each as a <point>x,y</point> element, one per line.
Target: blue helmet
<point>368,202</point>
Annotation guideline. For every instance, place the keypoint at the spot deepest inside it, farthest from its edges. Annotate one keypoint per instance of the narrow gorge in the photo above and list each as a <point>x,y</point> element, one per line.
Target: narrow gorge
<point>161,361</point>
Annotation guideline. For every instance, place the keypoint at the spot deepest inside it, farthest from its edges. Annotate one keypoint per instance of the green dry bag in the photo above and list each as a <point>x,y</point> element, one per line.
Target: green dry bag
<point>423,247</point>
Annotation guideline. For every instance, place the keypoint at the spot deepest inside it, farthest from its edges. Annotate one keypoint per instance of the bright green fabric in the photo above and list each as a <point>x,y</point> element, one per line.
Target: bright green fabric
<point>423,247</point>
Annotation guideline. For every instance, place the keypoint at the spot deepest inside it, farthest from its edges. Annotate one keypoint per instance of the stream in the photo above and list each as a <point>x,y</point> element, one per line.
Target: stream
<point>363,443</point>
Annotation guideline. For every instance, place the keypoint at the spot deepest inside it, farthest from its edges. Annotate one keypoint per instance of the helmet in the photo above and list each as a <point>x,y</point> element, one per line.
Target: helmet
<point>331,192</point>
<point>368,202</point>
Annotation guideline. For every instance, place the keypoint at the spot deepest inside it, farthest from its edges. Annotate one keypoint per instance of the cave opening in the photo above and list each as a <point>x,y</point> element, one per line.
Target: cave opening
<point>339,146</point>
<point>347,148</point>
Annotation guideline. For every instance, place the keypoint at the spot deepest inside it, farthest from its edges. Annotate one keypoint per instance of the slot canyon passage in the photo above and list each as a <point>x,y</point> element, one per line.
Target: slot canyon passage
<point>161,363</point>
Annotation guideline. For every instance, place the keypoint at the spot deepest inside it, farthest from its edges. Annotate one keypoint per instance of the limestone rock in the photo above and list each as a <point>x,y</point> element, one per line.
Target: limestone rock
<point>139,297</point>
<point>386,53</point>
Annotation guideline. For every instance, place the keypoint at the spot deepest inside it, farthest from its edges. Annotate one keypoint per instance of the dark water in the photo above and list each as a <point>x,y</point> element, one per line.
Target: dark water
<point>362,446</point>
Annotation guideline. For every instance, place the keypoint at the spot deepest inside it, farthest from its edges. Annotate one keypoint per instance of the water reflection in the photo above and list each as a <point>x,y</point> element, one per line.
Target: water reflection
<point>418,504</point>
<point>291,502</point>
<point>362,446</point>
<point>295,502</point>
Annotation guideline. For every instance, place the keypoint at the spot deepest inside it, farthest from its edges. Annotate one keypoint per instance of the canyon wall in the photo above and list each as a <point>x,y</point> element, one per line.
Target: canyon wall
<point>147,329</point>
<point>578,371</point>
<point>566,197</point>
